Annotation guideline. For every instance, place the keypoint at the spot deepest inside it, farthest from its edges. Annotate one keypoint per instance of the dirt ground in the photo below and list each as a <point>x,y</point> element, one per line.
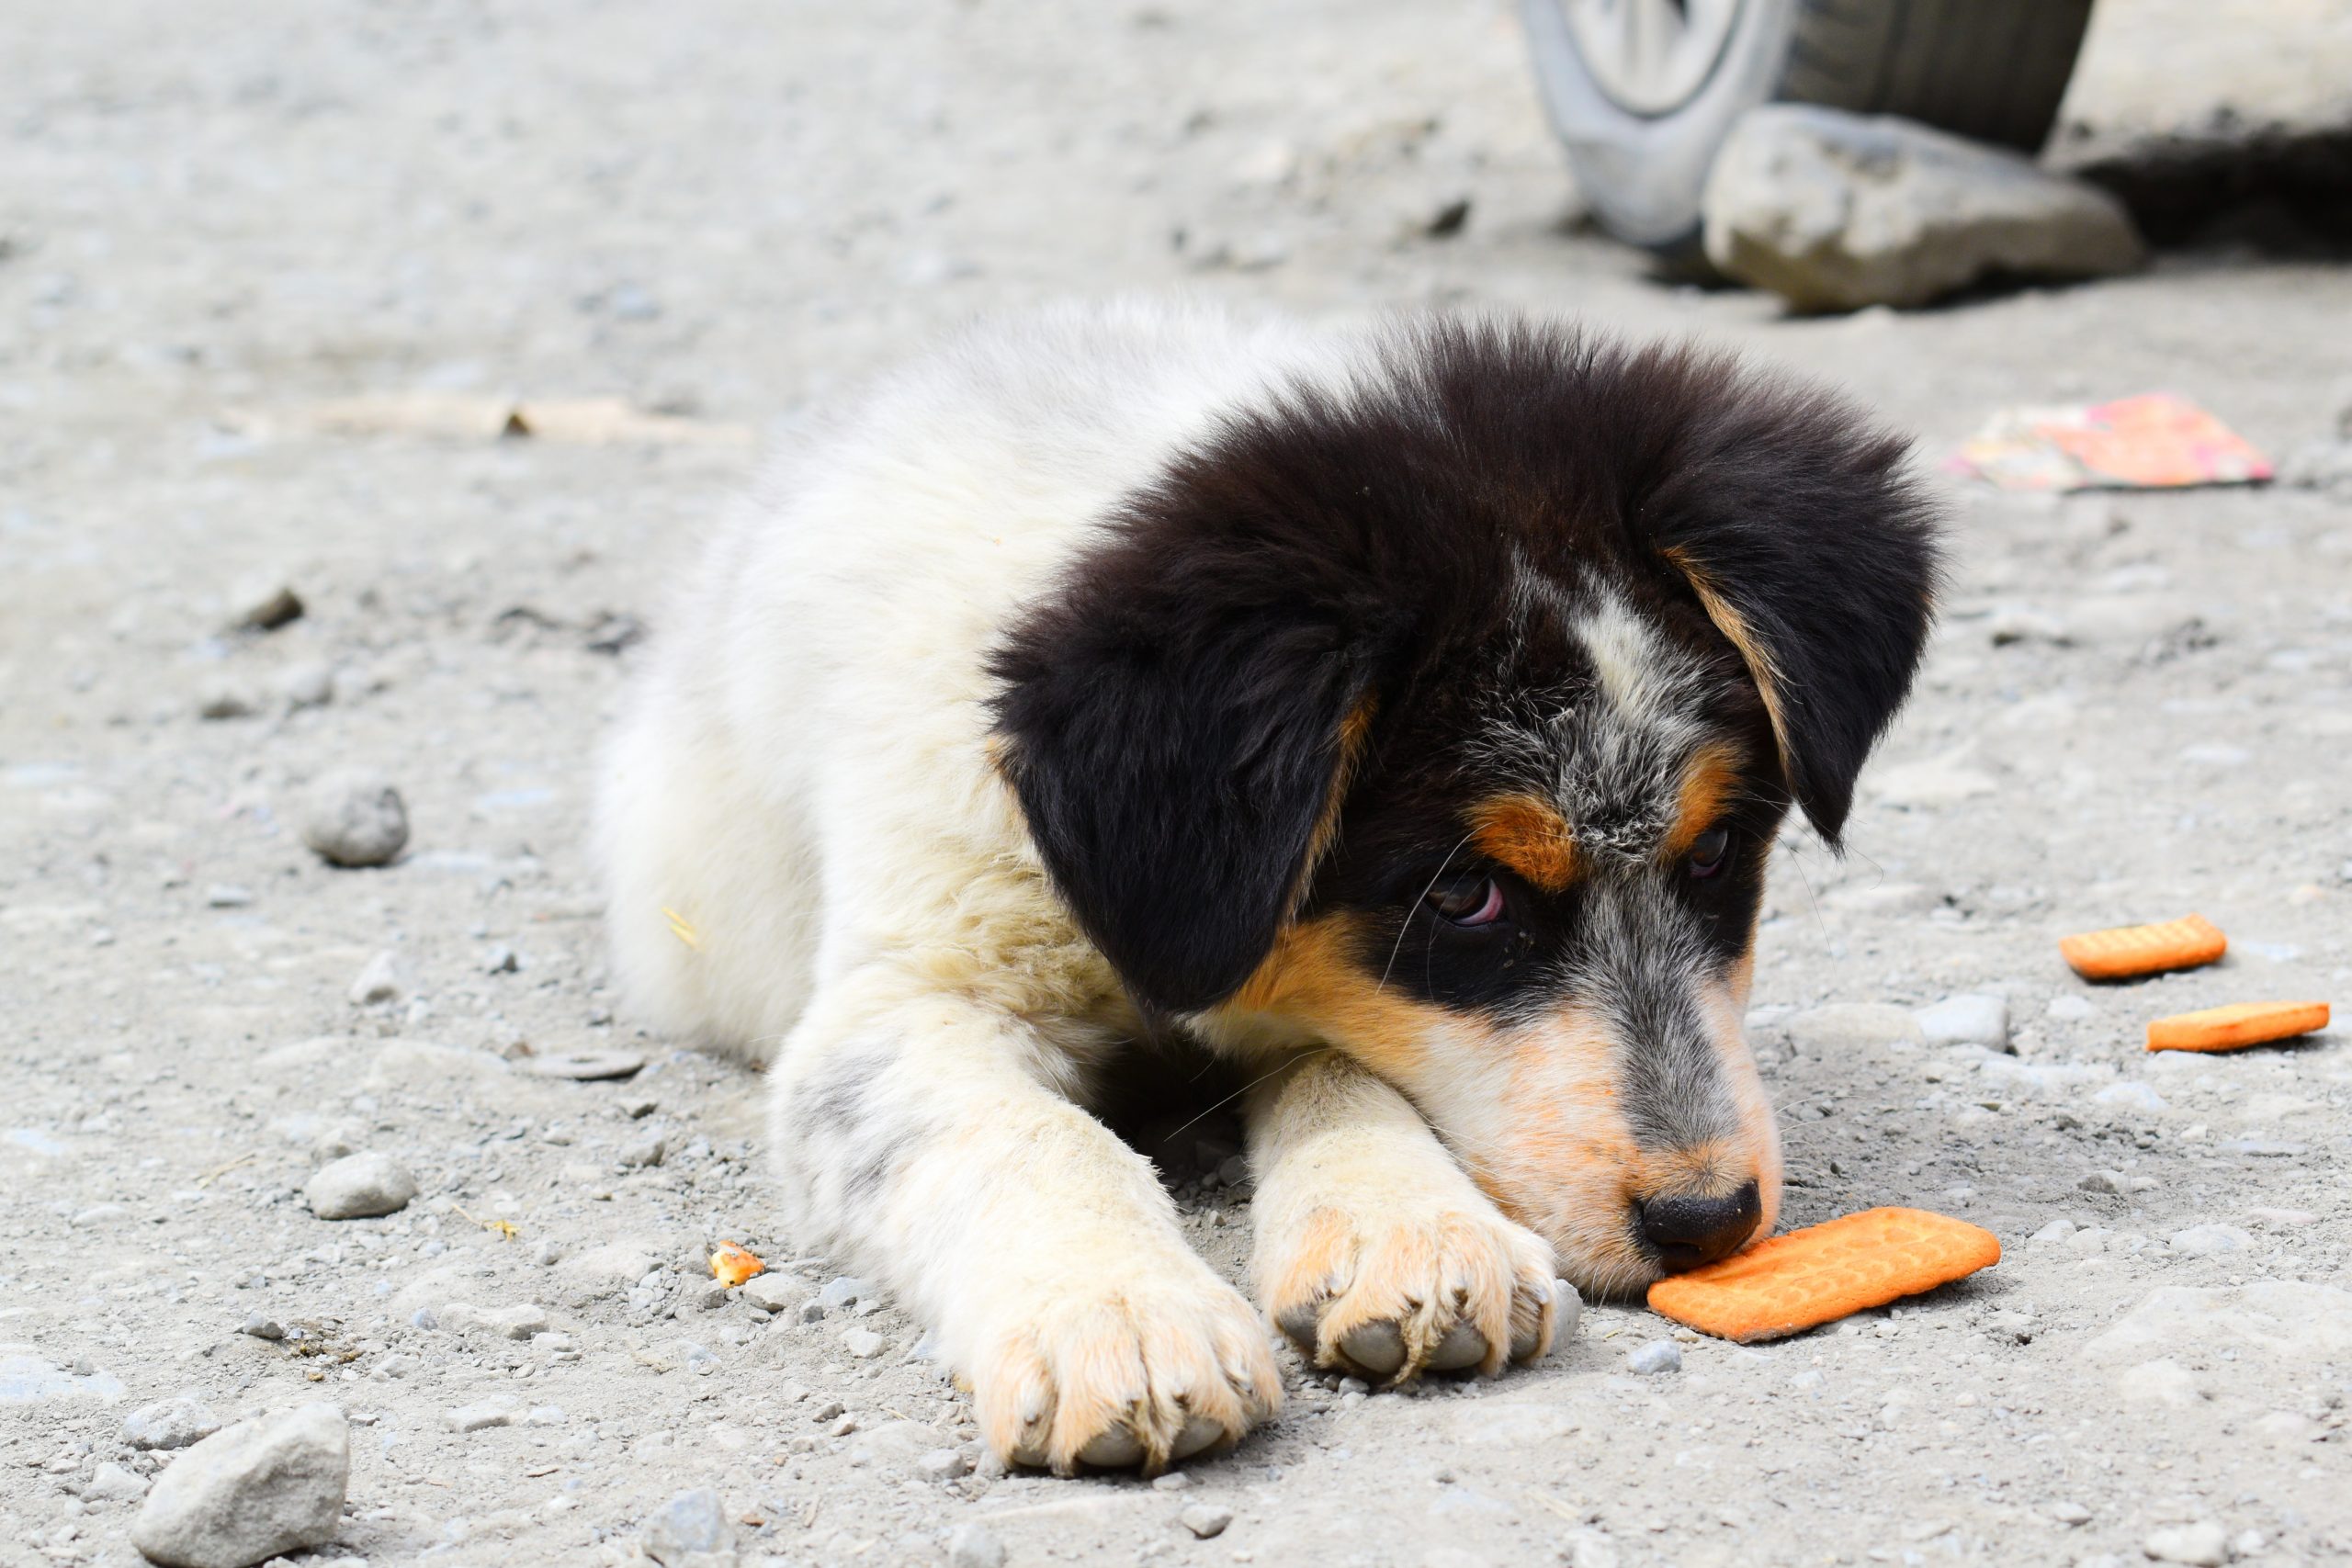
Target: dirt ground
<point>217,223</point>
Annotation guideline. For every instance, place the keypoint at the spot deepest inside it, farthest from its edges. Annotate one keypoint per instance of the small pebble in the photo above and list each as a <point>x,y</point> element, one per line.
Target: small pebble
<point>1657,1355</point>
<point>942,1464</point>
<point>1174,1481</point>
<point>863,1344</point>
<point>354,818</point>
<point>379,981</point>
<point>771,1293</point>
<point>306,685</point>
<point>973,1545</point>
<point>1967,1021</point>
<point>262,1328</point>
<point>2203,1544</point>
<point>360,1187</point>
<point>1206,1520</point>
<point>692,1525</point>
<point>840,1291</point>
<point>226,896</point>
<point>264,604</point>
<point>645,1152</point>
<point>2069,1513</point>
<point>113,1483</point>
<point>1567,1314</point>
<point>499,1410</point>
<point>169,1424</point>
<point>226,701</point>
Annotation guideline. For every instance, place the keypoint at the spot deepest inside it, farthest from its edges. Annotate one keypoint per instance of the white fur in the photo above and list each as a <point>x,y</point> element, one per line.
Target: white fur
<point>813,865</point>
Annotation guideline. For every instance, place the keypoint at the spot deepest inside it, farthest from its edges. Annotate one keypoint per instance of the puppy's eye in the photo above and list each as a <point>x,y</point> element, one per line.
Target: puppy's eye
<point>1471,901</point>
<point>1708,855</point>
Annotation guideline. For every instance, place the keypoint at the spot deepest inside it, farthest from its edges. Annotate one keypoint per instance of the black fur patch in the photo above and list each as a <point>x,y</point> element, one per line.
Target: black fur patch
<point>1172,712</point>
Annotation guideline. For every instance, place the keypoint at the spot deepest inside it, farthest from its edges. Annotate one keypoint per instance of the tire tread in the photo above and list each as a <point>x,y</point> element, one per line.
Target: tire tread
<point>1994,70</point>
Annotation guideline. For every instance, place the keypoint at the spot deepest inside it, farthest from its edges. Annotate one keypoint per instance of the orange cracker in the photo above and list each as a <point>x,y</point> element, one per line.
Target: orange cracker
<point>2239,1023</point>
<point>2131,951</point>
<point>1824,1272</point>
<point>730,1265</point>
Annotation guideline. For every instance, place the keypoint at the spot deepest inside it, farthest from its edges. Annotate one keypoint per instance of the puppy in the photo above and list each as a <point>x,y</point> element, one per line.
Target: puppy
<point>1405,714</point>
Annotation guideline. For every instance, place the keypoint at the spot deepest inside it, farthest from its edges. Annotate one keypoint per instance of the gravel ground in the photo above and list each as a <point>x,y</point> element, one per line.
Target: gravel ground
<point>213,236</point>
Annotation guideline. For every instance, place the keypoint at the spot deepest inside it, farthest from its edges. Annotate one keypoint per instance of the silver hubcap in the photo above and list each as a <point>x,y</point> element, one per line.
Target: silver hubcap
<point>1650,56</point>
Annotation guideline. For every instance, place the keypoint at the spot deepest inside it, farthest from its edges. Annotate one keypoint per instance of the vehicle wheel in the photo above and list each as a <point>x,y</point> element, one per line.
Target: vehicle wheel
<point>1643,91</point>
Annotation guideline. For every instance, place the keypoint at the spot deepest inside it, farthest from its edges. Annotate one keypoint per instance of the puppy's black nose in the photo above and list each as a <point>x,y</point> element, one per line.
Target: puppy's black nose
<point>1687,1232</point>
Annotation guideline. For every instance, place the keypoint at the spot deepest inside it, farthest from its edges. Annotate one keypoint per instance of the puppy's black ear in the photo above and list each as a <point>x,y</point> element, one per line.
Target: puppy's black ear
<point>1176,724</point>
<point>1795,522</point>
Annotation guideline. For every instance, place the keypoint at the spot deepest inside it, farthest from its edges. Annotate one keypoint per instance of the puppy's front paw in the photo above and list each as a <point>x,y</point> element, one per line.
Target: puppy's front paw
<point>1155,1362</point>
<point>1403,1288</point>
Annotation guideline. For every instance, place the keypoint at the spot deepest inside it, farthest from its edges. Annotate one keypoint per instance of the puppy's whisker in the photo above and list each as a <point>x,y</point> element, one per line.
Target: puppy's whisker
<point>1406,923</point>
<point>1271,1072</point>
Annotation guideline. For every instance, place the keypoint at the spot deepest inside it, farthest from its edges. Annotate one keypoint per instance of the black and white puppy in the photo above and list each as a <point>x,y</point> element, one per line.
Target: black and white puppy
<point>1404,713</point>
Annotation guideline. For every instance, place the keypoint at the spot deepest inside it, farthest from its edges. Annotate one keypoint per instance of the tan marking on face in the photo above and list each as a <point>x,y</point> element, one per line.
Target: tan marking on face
<point>1352,731</point>
<point>1761,666</point>
<point>1710,780</point>
<point>1313,978</point>
<point>1528,834</point>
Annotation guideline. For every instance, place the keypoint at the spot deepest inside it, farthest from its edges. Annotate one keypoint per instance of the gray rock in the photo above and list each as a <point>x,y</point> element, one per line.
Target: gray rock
<point>2204,1544</point>
<point>1847,1026</point>
<point>379,981</point>
<point>263,1327</point>
<point>498,1410</point>
<point>645,1152</point>
<point>263,604</point>
<point>1657,1355</point>
<point>360,1187</point>
<point>1835,211</point>
<point>1206,1520</point>
<point>2069,1513</point>
<point>974,1545</point>
<point>226,896</point>
<point>250,1492</point>
<point>169,1424</point>
<point>306,685</point>
<point>226,699</point>
<point>354,818</point>
<point>841,1291</point>
<point>690,1531</point>
<point>772,1292</point>
<point>113,1483</point>
<point>1967,1021</point>
<point>863,1344</point>
<point>1567,1314</point>
<point>2204,1241</point>
<point>942,1464</point>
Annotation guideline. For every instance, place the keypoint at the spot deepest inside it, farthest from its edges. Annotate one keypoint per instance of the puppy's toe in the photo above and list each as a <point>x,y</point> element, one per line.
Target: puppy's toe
<point>1394,1295</point>
<point>1134,1375</point>
<point>1463,1345</point>
<point>1375,1348</point>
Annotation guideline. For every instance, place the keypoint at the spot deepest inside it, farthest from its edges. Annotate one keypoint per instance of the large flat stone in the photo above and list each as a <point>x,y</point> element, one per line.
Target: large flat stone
<point>1835,211</point>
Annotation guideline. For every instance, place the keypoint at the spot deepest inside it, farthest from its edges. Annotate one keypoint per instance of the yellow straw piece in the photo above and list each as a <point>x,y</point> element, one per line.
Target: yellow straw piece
<point>682,928</point>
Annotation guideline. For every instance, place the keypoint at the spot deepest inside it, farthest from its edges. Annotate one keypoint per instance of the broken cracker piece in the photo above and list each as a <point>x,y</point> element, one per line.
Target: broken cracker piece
<point>2127,952</point>
<point>1824,1273</point>
<point>2239,1023</point>
<point>731,1265</point>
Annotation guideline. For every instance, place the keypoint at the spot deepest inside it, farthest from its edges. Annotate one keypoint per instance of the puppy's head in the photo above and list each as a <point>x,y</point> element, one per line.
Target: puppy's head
<point>1447,721</point>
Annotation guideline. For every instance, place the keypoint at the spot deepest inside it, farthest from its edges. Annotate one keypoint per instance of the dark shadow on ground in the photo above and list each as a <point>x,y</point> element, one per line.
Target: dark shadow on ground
<point>2279,192</point>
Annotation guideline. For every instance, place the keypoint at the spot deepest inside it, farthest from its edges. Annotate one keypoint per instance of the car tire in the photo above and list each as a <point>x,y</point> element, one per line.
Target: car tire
<point>1643,91</point>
